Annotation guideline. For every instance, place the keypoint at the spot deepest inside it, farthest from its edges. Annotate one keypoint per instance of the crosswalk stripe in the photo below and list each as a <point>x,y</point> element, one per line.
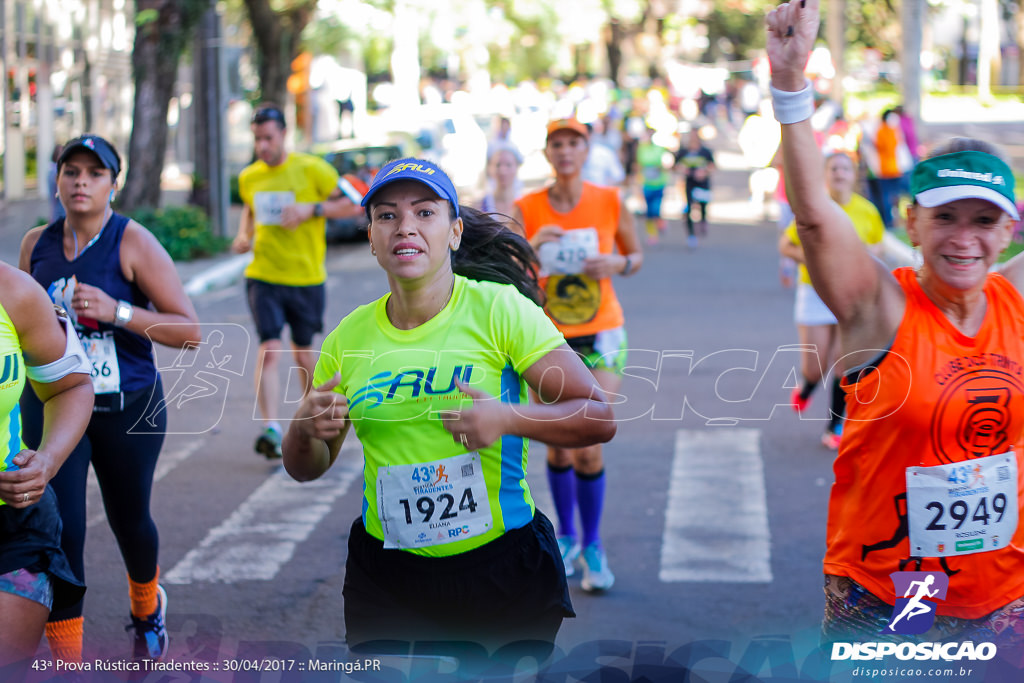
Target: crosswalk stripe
<point>716,519</point>
<point>261,535</point>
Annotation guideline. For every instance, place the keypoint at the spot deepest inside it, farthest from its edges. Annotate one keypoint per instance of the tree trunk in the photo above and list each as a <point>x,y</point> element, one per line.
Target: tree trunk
<point>614,49</point>
<point>988,49</point>
<point>162,27</point>
<point>1020,45</point>
<point>277,40</point>
<point>835,30</point>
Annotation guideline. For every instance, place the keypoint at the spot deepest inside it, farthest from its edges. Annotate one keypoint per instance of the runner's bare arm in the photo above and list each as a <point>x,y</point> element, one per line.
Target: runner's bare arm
<point>863,297</point>
<point>572,413</point>
<point>788,248</point>
<point>171,320</point>
<point>314,438</point>
<point>627,241</point>
<point>243,239</point>
<point>28,243</point>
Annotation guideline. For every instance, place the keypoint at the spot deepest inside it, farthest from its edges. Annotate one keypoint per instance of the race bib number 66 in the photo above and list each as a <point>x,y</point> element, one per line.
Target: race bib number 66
<point>962,508</point>
<point>433,503</point>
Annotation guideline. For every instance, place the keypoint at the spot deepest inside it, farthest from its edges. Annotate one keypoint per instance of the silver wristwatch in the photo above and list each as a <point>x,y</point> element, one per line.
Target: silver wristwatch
<point>123,313</point>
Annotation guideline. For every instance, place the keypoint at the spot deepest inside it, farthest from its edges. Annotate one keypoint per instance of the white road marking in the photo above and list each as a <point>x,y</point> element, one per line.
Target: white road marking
<point>716,519</point>
<point>261,535</point>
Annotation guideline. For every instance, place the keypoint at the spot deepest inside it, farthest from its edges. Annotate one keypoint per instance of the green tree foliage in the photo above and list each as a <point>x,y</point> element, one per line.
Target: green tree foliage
<point>874,24</point>
<point>735,28</point>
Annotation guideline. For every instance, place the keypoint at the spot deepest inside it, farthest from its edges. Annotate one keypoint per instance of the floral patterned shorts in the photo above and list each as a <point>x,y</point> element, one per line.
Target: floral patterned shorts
<point>35,587</point>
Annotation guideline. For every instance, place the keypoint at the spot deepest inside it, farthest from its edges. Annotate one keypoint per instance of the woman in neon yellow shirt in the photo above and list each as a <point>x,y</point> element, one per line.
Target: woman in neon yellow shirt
<point>34,573</point>
<point>434,377</point>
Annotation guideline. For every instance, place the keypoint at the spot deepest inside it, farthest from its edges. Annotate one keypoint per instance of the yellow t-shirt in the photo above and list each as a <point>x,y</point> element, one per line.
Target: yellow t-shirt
<point>282,256</point>
<point>866,220</point>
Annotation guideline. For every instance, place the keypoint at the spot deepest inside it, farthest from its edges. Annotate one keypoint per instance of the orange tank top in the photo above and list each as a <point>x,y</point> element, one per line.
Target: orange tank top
<point>886,142</point>
<point>578,305</point>
<point>936,397</point>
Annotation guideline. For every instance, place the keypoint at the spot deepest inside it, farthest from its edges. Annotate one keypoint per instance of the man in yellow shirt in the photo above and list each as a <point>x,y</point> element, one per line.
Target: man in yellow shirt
<point>286,196</point>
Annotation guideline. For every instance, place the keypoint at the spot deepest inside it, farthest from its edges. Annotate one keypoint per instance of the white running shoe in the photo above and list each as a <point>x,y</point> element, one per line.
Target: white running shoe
<point>570,549</point>
<point>596,574</point>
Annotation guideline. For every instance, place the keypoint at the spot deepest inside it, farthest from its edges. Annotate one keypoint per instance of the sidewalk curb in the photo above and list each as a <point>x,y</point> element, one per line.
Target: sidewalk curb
<point>223,274</point>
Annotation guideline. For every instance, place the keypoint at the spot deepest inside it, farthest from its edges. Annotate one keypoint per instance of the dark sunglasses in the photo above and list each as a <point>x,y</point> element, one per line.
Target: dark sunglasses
<point>268,114</point>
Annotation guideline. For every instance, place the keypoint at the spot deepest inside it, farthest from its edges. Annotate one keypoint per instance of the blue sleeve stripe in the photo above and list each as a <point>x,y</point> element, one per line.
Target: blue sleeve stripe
<point>13,436</point>
<point>515,510</point>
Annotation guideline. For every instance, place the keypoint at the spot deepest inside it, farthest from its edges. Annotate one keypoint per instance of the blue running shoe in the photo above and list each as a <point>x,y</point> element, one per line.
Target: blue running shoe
<point>570,548</point>
<point>596,574</point>
<point>150,633</point>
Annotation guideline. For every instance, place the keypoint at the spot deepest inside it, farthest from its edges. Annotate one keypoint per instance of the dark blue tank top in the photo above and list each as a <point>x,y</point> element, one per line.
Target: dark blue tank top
<point>100,266</point>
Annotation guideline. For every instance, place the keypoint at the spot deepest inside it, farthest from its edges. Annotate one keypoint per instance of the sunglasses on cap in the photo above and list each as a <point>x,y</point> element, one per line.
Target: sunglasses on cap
<point>268,114</point>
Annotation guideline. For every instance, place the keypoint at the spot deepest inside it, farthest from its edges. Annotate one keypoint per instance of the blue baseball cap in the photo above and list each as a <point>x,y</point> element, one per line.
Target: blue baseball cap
<point>103,150</point>
<point>421,170</point>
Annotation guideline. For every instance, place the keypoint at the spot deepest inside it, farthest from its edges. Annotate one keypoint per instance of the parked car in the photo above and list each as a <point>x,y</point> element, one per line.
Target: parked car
<point>358,159</point>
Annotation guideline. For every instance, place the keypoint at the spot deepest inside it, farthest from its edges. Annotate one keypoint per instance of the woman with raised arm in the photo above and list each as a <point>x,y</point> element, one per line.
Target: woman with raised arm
<point>928,475</point>
<point>433,377</point>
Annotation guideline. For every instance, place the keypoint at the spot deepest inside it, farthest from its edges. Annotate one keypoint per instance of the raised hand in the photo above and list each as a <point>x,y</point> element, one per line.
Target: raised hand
<point>792,29</point>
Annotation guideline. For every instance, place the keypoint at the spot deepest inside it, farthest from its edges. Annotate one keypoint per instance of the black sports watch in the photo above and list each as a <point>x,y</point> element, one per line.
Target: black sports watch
<point>628,268</point>
<point>318,210</point>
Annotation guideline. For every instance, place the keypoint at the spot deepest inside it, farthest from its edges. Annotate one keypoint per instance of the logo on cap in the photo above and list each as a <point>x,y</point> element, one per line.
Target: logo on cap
<point>410,167</point>
<point>90,143</point>
<point>971,175</point>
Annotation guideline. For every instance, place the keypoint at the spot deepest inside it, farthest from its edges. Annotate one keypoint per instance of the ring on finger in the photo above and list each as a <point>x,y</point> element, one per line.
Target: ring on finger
<point>85,304</point>
<point>464,440</point>
<point>24,498</point>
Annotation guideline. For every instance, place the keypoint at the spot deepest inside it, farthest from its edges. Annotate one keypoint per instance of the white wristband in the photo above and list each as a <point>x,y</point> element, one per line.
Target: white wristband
<point>792,107</point>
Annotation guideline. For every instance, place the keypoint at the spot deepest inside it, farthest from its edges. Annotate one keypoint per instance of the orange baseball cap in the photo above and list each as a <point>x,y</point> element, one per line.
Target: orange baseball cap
<point>569,124</point>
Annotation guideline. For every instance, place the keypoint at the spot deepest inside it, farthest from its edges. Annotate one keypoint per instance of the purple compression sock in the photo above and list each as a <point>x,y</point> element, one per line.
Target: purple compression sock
<point>562,482</point>
<point>590,493</point>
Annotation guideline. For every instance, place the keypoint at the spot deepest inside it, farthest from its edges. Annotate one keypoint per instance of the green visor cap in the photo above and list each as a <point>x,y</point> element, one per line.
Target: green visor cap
<point>964,175</point>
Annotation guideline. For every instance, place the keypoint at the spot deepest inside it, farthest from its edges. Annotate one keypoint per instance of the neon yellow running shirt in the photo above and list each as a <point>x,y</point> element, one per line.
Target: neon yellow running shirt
<point>396,381</point>
<point>12,382</point>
